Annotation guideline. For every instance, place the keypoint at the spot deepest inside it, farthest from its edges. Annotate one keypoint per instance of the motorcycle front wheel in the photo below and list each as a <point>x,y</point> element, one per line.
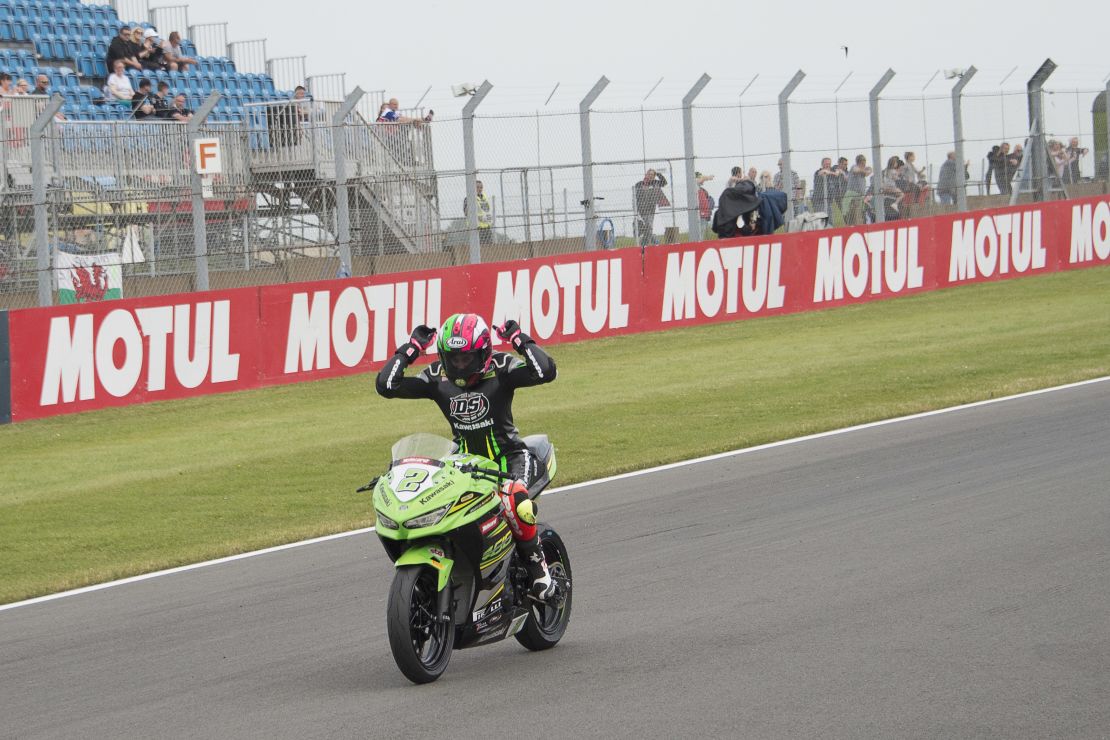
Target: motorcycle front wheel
<point>421,639</point>
<point>548,620</point>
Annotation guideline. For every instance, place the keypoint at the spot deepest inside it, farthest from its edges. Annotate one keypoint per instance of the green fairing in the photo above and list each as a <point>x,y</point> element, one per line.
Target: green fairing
<point>422,555</point>
<point>448,487</point>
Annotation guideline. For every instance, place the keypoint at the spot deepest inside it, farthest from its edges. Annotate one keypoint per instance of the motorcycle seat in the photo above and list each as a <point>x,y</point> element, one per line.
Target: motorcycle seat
<point>541,447</point>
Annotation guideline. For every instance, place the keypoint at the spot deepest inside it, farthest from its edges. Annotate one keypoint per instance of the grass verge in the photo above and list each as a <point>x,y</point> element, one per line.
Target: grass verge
<point>112,493</point>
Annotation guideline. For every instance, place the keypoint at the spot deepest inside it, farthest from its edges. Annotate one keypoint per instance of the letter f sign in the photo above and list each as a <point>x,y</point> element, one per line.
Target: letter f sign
<point>206,156</point>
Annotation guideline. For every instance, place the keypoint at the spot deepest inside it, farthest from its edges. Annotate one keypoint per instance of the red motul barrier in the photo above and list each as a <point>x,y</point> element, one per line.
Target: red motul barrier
<point>73,358</point>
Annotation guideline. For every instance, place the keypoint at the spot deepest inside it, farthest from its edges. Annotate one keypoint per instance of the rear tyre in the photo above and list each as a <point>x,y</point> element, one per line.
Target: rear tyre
<point>420,638</point>
<point>548,620</point>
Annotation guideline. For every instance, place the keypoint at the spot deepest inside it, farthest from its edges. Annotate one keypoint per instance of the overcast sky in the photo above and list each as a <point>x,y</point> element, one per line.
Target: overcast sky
<point>524,48</point>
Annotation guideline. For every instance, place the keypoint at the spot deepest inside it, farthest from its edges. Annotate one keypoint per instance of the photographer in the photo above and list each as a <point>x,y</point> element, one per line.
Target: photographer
<point>1074,152</point>
<point>647,195</point>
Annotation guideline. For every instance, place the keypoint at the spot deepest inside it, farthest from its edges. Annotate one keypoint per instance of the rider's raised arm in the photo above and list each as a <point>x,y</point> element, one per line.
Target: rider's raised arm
<point>392,382</point>
<point>537,368</point>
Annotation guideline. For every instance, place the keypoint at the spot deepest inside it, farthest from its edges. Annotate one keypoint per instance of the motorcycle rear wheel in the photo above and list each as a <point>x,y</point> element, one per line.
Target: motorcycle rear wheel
<point>420,638</point>
<point>548,621</point>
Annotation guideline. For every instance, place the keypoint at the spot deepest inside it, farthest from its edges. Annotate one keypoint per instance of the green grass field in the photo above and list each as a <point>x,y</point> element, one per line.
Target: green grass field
<point>107,494</point>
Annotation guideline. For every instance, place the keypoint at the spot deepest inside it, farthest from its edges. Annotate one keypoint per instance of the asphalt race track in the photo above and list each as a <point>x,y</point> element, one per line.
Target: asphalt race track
<point>947,576</point>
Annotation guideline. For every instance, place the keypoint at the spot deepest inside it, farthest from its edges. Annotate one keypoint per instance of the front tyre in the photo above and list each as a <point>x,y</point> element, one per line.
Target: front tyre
<point>549,619</point>
<point>421,639</point>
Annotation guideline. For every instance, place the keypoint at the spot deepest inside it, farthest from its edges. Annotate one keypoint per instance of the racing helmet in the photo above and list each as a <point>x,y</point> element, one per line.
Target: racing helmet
<point>465,348</point>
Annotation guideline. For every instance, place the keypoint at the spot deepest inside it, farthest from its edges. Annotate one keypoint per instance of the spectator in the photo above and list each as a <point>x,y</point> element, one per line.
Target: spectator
<point>735,177</point>
<point>1016,158</point>
<point>485,214</point>
<point>837,187</point>
<point>705,202</point>
<point>42,87</point>
<point>890,188</point>
<point>22,87</point>
<point>388,114</point>
<point>6,88</point>
<point>121,48</point>
<point>743,211</point>
<point>793,183</point>
<point>119,84</point>
<point>142,105</point>
<point>852,204</point>
<point>1058,155</point>
<point>1074,152</point>
<point>765,182</point>
<point>647,195</point>
<point>180,111</point>
<point>163,104</point>
<point>948,181</point>
<point>1003,169</point>
<point>152,57</point>
<point>992,166</point>
<point>915,180</point>
<point>174,55</point>
<point>753,174</point>
<point>825,181</point>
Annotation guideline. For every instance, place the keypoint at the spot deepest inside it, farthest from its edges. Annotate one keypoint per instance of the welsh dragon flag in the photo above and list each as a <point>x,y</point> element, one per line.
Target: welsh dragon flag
<point>85,278</point>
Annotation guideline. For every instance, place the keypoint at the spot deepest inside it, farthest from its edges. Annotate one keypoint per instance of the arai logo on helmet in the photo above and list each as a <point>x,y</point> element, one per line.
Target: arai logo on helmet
<point>455,342</point>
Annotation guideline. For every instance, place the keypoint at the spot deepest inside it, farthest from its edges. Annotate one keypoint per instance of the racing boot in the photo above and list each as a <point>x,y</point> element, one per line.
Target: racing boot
<point>531,554</point>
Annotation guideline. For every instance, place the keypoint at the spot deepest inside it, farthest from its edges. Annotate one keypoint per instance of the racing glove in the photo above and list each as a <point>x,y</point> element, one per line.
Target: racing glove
<point>511,333</point>
<point>421,338</point>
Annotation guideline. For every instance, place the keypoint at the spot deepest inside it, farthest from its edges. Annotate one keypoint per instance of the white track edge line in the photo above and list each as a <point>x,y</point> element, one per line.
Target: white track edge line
<point>562,489</point>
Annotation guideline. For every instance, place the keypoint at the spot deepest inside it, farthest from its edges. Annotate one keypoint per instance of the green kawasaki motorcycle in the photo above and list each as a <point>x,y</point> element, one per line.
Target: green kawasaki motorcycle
<point>458,582</point>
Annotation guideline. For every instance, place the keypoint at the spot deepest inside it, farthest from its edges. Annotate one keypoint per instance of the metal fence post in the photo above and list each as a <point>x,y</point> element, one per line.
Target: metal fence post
<point>1106,127</point>
<point>342,202</point>
<point>784,137</point>
<point>958,135</point>
<point>38,182</point>
<point>590,241</point>
<point>877,204</point>
<point>695,232</point>
<point>1036,115</point>
<point>472,170</point>
<point>200,225</point>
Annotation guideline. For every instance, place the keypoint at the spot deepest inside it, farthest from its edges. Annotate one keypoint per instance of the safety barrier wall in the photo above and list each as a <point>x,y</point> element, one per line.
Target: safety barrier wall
<point>66,359</point>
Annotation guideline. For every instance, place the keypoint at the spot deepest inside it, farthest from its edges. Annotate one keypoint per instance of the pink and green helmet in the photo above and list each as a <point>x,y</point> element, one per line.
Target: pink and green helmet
<point>465,347</point>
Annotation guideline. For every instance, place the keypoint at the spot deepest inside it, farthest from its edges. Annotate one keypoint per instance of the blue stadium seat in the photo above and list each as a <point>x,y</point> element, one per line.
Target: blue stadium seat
<point>7,33</point>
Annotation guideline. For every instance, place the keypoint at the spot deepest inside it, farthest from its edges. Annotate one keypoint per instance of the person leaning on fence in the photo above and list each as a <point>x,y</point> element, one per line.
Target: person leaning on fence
<point>743,211</point>
<point>706,204</point>
<point>485,215</point>
<point>180,112</point>
<point>647,195</point>
<point>142,103</point>
<point>852,204</point>
<point>948,181</point>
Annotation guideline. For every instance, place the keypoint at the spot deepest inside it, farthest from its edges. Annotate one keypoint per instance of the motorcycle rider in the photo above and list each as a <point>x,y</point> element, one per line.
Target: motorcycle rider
<point>473,387</point>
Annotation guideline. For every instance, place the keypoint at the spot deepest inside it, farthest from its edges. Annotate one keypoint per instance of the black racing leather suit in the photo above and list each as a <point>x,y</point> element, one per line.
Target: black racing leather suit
<point>481,415</point>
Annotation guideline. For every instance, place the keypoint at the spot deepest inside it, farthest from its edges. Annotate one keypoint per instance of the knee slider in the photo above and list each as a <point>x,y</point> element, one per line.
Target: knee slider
<point>526,511</point>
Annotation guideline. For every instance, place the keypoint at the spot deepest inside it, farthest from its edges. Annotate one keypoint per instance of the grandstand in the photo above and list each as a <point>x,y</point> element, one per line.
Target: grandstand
<point>112,181</point>
<point>68,41</point>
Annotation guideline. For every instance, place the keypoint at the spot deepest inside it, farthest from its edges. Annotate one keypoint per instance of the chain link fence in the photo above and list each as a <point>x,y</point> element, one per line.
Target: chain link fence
<point>312,190</point>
